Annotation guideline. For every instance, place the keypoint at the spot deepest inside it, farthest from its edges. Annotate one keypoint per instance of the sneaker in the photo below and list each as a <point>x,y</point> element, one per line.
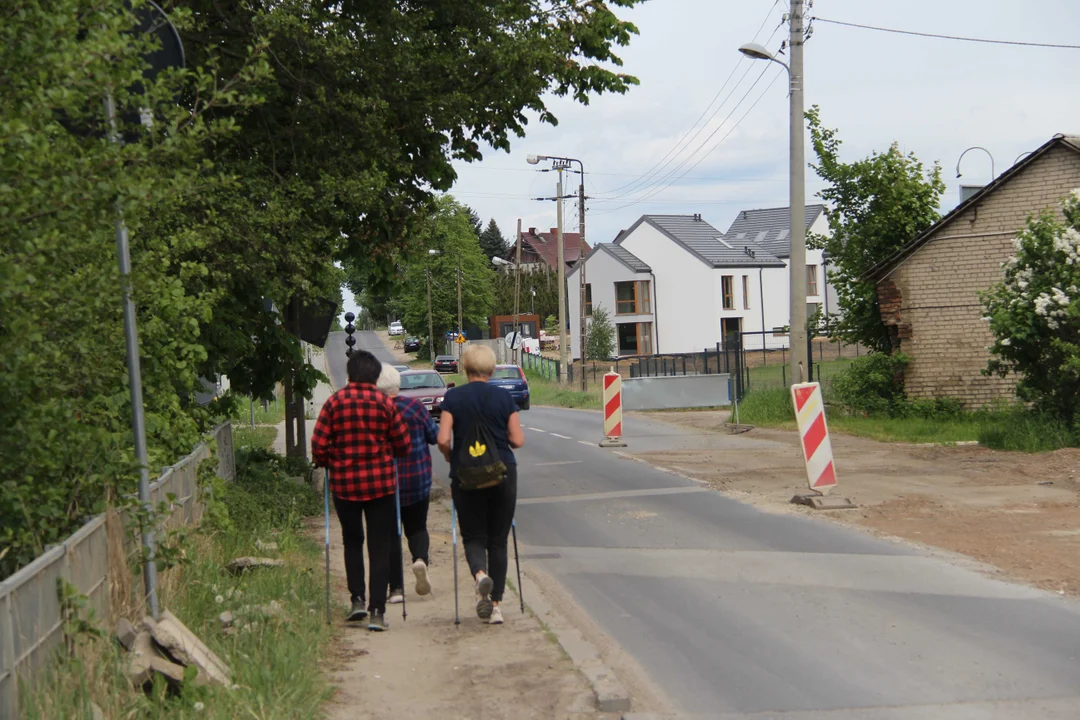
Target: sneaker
<point>419,568</point>
<point>358,612</point>
<point>484,586</point>
<point>377,622</point>
<point>496,616</point>
<point>396,597</point>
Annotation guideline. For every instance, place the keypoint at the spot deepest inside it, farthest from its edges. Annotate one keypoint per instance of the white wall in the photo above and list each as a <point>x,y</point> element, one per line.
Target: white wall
<point>686,300</point>
<point>602,271</point>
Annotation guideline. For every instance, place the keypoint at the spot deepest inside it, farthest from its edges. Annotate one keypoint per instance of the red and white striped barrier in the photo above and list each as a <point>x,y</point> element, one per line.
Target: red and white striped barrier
<point>814,433</point>
<point>612,410</point>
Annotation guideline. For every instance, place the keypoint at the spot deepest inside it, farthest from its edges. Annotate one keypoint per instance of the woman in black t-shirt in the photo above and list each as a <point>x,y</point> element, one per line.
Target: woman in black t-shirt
<point>485,515</point>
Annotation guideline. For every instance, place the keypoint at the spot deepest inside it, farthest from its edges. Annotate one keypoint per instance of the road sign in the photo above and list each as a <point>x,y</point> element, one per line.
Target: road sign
<point>460,340</point>
<point>612,411</point>
<point>513,341</point>
<point>814,433</point>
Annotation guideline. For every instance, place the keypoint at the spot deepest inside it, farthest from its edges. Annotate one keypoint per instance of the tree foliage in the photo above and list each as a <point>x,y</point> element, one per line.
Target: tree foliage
<point>874,207</point>
<point>492,241</point>
<point>1034,314</point>
<point>600,335</point>
<point>539,292</point>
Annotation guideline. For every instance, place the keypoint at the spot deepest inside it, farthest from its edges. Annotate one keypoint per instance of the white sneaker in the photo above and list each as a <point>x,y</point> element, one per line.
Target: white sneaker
<point>496,616</point>
<point>419,568</point>
<point>484,606</point>
<point>396,597</point>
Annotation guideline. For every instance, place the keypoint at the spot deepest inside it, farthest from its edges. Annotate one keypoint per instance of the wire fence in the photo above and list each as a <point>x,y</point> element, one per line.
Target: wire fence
<point>766,356</point>
<point>32,615</point>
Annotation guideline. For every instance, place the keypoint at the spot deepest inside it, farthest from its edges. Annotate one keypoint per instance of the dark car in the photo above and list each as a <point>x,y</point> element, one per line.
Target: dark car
<point>446,363</point>
<point>513,379</point>
<point>401,368</point>
<point>412,344</point>
<point>428,387</point>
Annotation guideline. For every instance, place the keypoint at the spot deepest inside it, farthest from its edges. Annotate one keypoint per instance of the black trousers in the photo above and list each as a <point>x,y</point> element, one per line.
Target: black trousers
<point>485,517</point>
<point>381,535</point>
<point>414,525</point>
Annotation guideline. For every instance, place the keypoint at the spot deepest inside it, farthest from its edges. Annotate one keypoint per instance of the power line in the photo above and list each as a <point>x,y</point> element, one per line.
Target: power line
<point>945,37</point>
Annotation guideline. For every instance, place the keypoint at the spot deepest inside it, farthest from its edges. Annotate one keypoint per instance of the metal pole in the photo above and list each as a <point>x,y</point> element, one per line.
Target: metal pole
<point>562,282</point>
<point>430,322</point>
<point>459,322</point>
<point>797,201</point>
<point>138,420</point>
<point>517,294</point>
<point>581,270</point>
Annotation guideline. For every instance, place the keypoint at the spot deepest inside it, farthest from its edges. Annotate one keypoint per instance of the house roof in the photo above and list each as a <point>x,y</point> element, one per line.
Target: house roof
<point>705,242</point>
<point>770,227</point>
<point>627,258</point>
<point>546,245</point>
<point>883,268</point>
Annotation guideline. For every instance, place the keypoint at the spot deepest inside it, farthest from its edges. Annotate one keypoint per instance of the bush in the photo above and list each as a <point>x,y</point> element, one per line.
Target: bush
<point>265,494</point>
<point>932,408</point>
<point>872,384</point>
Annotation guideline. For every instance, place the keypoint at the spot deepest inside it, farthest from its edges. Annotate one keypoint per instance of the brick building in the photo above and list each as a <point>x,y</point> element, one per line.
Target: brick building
<point>929,290</point>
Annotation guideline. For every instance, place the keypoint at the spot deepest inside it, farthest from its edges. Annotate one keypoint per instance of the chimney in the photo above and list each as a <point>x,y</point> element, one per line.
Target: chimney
<point>697,217</point>
<point>532,231</point>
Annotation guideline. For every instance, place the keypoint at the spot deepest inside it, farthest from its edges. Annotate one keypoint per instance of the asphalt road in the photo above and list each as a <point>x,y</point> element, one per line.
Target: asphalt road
<point>738,613</point>
<point>335,353</point>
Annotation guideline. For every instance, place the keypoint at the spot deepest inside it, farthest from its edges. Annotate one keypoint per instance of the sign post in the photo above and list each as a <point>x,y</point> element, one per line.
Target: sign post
<point>612,410</point>
<point>817,449</point>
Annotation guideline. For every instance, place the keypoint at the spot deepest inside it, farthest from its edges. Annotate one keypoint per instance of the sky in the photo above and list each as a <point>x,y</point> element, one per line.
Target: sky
<point>697,136</point>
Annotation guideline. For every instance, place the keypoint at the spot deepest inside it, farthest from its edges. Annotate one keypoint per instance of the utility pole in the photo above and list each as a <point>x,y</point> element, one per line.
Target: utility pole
<point>797,200</point>
<point>562,282</point>
<point>459,323</point>
<point>517,294</point>
<point>430,323</point>
<point>581,273</point>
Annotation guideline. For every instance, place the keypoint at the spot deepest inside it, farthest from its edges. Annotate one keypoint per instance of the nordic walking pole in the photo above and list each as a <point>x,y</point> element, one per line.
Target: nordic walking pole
<point>326,504</point>
<point>401,555</point>
<point>517,562</point>
<point>453,534</point>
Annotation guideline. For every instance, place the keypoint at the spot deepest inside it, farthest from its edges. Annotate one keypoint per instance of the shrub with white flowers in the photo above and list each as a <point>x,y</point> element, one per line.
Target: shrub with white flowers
<point>1034,314</point>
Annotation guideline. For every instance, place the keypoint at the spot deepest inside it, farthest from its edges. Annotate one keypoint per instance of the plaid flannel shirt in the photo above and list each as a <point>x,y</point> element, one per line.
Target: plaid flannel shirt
<point>359,432</point>
<point>414,471</point>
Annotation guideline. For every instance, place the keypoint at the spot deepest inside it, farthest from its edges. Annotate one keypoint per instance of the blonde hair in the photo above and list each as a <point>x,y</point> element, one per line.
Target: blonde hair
<point>389,380</point>
<point>478,361</point>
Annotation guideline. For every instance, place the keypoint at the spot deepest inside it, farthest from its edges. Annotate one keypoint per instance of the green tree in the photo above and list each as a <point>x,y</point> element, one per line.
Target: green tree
<point>875,206</point>
<point>449,232</point>
<point>1034,314</point>
<point>551,325</point>
<point>600,335</point>
<point>492,241</point>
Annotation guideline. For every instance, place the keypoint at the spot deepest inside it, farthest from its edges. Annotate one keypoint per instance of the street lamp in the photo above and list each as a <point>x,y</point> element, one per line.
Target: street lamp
<point>430,322</point>
<point>559,164</point>
<point>797,188</point>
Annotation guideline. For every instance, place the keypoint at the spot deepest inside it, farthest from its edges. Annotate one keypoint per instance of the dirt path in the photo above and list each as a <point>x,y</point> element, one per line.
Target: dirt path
<point>1016,511</point>
<point>426,667</point>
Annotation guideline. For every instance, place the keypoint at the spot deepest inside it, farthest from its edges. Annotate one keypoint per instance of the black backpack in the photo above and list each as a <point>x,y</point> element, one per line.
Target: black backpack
<point>478,463</point>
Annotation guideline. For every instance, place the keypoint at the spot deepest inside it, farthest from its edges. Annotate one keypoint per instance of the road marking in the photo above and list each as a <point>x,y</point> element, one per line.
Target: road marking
<point>585,442</point>
<point>559,462</point>
<point>536,430</point>
<point>564,437</point>
<point>615,494</point>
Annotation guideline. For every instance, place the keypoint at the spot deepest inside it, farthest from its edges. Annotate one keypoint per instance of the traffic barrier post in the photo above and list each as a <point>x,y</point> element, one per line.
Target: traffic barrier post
<point>612,410</point>
<point>817,449</point>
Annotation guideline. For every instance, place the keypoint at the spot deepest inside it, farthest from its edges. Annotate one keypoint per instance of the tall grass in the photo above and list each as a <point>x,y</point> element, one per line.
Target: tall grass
<point>546,392</point>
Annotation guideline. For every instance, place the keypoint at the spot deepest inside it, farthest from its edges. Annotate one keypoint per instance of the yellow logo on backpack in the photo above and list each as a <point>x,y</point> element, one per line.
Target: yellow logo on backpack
<point>477,450</point>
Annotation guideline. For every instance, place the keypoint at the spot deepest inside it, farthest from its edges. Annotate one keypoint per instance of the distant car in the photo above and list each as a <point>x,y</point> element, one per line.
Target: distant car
<point>446,363</point>
<point>396,328</point>
<point>428,387</point>
<point>412,344</point>
<point>513,379</point>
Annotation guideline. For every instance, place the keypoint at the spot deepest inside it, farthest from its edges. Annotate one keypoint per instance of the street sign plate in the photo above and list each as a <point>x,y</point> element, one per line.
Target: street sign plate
<point>513,341</point>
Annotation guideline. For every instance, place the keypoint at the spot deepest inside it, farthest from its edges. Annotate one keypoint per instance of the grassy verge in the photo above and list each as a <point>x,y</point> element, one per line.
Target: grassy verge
<point>254,437</point>
<point>1011,429</point>
<point>546,392</point>
<point>276,661</point>
<point>272,415</point>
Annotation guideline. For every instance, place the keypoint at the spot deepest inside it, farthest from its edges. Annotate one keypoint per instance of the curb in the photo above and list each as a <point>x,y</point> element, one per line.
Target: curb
<point>611,695</point>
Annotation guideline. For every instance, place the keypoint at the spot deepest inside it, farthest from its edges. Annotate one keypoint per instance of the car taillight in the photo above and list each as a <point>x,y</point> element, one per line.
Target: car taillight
<point>521,373</point>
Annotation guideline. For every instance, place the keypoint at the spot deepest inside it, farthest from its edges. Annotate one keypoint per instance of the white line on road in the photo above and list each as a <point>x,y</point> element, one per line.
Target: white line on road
<point>610,495</point>
<point>564,437</point>
<point>536,430</point>
<point>559,462</point>
<point>585,442</point>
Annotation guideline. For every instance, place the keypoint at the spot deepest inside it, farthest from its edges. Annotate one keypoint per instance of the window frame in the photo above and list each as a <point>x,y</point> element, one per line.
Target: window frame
<point>811,280</point>
<point>727,292</point>
<point>641,304</point>
<point>746,292</point>
<point>588,300</point>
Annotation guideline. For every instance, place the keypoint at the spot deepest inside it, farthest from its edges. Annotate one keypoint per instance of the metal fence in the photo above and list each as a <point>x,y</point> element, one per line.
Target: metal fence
<point>541,365</point>
<point>31,616</point>
<point>765,363</point>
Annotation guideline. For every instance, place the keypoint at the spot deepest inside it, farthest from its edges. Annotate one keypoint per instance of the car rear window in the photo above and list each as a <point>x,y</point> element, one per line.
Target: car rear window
<point>424,380</point>
<point>507,373</point>
<point>444,358</point>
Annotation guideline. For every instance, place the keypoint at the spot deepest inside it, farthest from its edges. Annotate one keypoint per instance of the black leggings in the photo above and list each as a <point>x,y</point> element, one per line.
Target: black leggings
<point>414,523</point>
<point>485,517</point>
<point>380,516</point>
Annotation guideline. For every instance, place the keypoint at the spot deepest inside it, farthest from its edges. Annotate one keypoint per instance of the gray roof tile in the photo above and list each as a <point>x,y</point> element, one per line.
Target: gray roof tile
<point>707,243</point>
<point>626,257</point>
<point>770,228</point>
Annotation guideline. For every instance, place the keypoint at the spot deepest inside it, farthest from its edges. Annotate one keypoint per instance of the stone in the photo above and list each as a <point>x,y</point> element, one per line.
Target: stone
<point>266,546</point>
<point>243,564</point>
<point>125,633</point>
<point>184,647</point>
<point>146,660</point>
<point>226,619</point>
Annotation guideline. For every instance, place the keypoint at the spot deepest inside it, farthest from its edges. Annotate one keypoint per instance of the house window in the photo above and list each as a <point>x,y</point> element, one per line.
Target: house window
<point>644,333</point>
<point>811,280</point>
<point>726,283</point>
<point>588,299</point>
<point>635,338</point>
<point>746,292</point>
<point>632,298</point>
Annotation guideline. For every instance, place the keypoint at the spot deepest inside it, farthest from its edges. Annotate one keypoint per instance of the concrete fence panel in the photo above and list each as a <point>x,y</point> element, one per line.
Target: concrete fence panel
<point>676,391</point>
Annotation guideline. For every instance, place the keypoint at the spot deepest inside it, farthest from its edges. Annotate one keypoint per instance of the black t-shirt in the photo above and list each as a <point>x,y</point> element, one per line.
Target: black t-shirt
<point>479,402</point>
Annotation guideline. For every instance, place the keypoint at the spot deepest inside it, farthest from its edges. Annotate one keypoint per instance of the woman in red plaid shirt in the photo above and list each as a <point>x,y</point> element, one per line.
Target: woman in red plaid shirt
<point>359,433</point>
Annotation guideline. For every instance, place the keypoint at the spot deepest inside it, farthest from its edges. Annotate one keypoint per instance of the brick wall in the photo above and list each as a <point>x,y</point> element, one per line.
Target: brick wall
<point>932,297</point>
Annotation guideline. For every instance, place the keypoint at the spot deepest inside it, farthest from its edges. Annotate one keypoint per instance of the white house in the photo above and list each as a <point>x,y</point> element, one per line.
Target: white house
<point>675,284</point>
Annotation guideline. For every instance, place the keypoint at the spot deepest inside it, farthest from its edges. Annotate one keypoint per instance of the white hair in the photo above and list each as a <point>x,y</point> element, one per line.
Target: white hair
<point>389,380</point>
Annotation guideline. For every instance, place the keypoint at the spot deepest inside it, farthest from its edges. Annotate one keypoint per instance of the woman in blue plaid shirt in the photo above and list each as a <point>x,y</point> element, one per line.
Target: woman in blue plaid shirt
<point>414,485</point>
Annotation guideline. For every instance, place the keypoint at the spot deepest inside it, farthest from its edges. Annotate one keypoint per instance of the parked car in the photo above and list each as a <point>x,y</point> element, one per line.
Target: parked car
<point>401,368</point>
<point>428,387</point>
<point>512,377</point>
<point>446,363</point>
<point>396,328</point>
<point>412,344</point>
